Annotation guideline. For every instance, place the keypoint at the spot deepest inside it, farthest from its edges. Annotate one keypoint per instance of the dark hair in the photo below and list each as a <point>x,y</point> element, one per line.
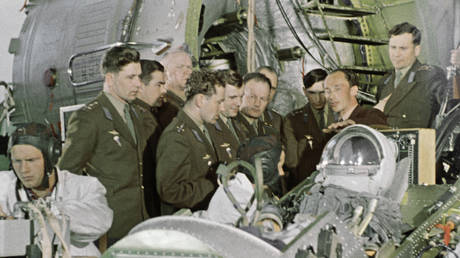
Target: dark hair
<point>406,27</point>
<point>314,76</point>
<point>202,82</point>
<point>117,57</point>
<point>258,77</point>
<point>39,136</point>
<point>350,76</point>
<point>230,77</point>
<point>148,67</point>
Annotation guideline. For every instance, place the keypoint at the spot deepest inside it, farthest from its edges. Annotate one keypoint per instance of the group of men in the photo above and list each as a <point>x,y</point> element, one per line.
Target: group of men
<point>156,150</point>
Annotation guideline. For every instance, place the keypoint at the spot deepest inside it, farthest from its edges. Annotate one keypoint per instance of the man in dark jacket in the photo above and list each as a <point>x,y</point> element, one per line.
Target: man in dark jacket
<point>341,88</point>
<point>151,97</point>
<point>411,94</point>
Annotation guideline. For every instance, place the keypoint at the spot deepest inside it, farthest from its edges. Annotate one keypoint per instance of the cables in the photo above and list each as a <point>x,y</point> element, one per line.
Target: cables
<point>294,33</point>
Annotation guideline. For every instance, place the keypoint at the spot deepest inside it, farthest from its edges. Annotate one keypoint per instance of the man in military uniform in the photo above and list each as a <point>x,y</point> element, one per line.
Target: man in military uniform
<point>178,65</point>
<point>223,133</point>
<point>107,137</point>
<point>255,99</point>
<point>302,130</point>
<point>186,157</point>
<point>410,95</point>
<point>150,97</point>
<point>270,117</point>
<point>341,88</point>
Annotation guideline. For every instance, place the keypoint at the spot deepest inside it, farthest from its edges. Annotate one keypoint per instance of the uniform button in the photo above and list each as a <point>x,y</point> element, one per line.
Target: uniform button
<point>142,187</point>
<point>404,116</point>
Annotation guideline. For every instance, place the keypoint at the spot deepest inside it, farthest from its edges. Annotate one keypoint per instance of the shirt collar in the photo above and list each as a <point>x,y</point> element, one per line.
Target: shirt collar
<point>118,104</point>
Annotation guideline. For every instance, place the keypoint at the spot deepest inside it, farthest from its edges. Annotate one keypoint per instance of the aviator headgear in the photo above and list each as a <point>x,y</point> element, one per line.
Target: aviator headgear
<point>39,136</point>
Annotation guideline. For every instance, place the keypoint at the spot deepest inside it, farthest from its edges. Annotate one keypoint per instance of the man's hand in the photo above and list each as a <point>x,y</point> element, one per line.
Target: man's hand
<point>336,127</point>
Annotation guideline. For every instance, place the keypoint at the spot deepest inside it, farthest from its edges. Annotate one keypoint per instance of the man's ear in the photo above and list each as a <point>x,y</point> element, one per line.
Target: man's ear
<point>354,90</point>
<point>199,99</point>
<point>109,78</point>
<point>417,50</point>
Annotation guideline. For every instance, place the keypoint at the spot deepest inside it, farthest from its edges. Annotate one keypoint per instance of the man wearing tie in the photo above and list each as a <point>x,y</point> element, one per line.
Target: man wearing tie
<point>411,94</point>
<point>255,100</point>
<point>186,157</point>
<point>224,134</point>
<point>106,139</point>
<point>302,130</point>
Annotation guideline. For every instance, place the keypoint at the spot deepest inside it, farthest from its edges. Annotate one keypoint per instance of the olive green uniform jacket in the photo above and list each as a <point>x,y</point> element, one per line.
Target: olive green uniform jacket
<point>304,142</point>
<point>273,120</point>
<point>416,100</point>
<point>225,142</point>
<point>169,109</point>
<point>247,131</point>
<point>100,144</point>
<point>186,161</point>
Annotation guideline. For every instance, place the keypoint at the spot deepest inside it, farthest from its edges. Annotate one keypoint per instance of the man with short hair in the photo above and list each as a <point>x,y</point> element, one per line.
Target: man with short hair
<point>186,157</point>
<point>411,94</point>
<point>341,88</point>
<point>302,130</point>
<point>224,134</point>
<point>33,154</point>
<point>178,65</point>
<point>271,117</point>
<point>255,100</point>
<point>151,96</point>
<point>106,139</point>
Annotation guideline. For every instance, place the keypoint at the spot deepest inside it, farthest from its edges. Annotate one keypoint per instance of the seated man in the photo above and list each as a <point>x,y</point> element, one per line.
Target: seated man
<point>33,154</point>
<point>341,88</point>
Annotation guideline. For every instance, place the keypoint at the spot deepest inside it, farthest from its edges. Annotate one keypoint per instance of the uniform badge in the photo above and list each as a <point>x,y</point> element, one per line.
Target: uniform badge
<point>309,140</point>
<point>411,77</point>
<point>116,137</point>
<point>180,128</point>
<point>208,158</point>
<point>107,113</point>
<point>197,136</point>
<point>227,148</point>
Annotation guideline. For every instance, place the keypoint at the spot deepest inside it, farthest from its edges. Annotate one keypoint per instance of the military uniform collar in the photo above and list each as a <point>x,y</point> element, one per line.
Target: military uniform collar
<point>175,99</point>
<point>404,70</point>
<point>348,114</point>
<point>248,119</point>
<point>119,105</point>
<point>192,119</point>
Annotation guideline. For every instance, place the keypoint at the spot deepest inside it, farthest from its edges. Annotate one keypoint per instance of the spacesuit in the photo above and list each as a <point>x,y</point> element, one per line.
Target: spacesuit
<point>80,198</point>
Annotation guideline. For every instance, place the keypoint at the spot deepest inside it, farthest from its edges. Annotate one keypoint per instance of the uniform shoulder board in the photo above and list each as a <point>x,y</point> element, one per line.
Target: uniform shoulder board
<point>180,128</point>
<point>91,105</point>
<point>425,68</point>
<point>296,112</point>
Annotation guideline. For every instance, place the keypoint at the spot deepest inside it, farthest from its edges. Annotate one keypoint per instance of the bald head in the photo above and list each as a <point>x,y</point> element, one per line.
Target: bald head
<point>178,65</point>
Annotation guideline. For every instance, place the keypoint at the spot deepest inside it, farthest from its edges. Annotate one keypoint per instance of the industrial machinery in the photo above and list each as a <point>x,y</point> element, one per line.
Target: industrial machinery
<point>36,230</point>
